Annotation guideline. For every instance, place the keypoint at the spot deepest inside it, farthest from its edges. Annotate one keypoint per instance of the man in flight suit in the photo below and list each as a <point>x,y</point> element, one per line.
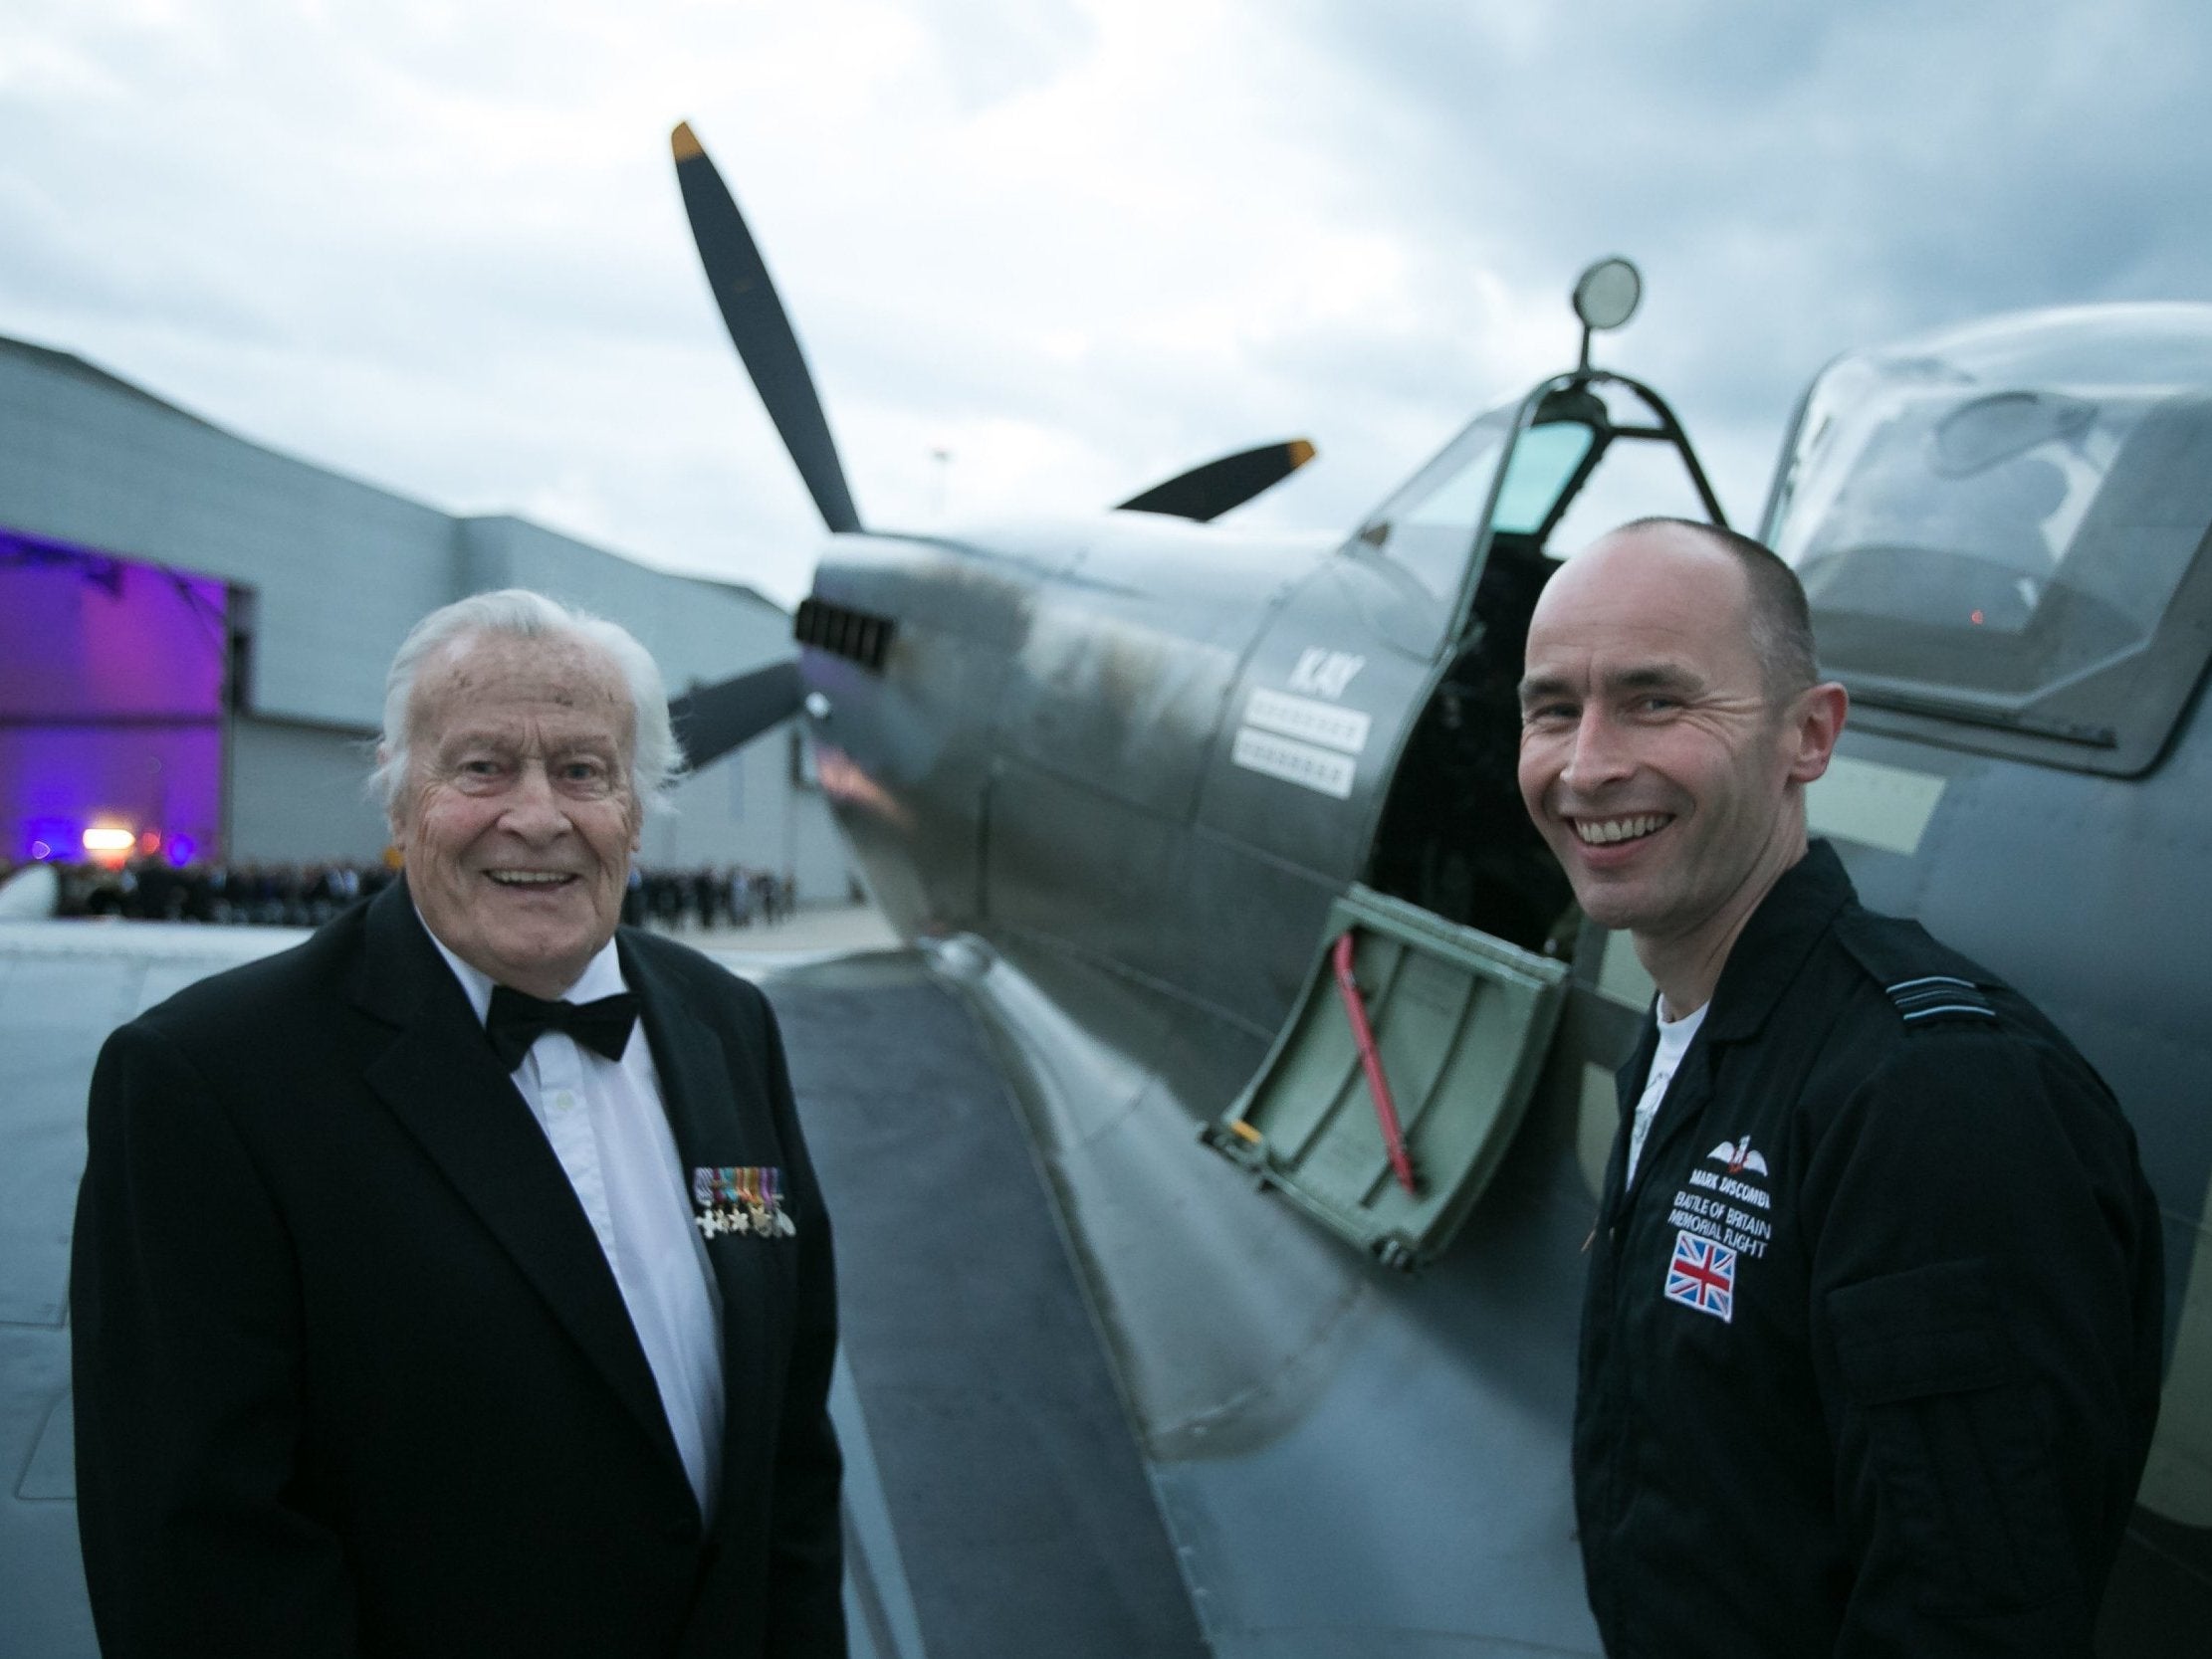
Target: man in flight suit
<point>1870,1341</point>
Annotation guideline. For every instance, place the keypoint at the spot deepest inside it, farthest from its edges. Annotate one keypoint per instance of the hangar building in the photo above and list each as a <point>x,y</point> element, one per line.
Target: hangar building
<point>194,632</point>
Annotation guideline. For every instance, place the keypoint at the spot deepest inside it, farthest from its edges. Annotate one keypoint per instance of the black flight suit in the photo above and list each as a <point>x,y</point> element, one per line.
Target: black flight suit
<point>1870,1353</point>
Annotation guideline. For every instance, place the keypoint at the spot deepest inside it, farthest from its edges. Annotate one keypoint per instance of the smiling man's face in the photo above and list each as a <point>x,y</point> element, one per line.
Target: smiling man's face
<point>1655,758</point>
<point>517,816</point>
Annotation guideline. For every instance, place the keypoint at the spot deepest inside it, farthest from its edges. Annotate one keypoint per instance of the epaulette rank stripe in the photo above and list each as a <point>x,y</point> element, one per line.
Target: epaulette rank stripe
<point>1939,994</point>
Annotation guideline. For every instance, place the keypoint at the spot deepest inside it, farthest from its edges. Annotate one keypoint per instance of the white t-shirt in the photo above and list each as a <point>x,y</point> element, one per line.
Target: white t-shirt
<point>1673,1043</point>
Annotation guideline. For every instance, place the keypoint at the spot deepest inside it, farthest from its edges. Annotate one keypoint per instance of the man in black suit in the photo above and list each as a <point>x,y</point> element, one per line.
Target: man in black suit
<point>424,1304</point>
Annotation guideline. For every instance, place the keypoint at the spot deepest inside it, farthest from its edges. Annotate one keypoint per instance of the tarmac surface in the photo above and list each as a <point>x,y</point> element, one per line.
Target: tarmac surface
<point>814,930</point>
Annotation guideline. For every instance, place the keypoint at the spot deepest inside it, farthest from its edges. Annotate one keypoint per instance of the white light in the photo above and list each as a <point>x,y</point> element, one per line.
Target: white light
<point>110,841</point>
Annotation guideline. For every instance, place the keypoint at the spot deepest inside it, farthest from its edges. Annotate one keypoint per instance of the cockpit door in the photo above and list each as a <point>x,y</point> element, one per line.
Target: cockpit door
<point>1460,1023</point>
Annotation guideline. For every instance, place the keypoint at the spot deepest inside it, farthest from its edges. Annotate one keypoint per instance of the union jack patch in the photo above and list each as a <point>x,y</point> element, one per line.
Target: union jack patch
<point>1702,1275</point>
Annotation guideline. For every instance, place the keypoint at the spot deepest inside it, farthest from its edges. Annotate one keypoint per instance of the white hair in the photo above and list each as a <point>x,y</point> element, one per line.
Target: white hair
<point>656,766</point>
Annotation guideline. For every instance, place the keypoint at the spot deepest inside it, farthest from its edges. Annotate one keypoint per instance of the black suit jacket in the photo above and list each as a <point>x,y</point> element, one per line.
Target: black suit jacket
<point>353,1374</point>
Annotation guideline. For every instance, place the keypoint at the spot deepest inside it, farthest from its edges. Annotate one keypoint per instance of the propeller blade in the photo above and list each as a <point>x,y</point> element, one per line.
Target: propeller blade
<point>1209,491</point>
<point>761,332</point>
<point>711,721</point>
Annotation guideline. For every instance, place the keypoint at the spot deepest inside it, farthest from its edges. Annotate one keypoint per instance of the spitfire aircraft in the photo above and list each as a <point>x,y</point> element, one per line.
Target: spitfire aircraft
<point>1210,1176</point>
<point>1219,836</point>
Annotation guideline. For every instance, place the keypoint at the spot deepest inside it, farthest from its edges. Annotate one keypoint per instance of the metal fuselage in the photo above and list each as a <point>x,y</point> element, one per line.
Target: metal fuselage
<point>1048,751</point>
<point>1132,761</point>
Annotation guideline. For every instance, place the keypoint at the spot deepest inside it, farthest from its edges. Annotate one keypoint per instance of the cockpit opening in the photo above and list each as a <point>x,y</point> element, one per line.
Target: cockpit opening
<point>1448,953</point>
<point>1453,838</point>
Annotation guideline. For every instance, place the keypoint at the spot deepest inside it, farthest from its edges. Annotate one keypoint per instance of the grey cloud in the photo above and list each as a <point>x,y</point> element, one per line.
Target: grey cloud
<point>1794,180</point>
<point>993,50</point>
<point>1932,162</point>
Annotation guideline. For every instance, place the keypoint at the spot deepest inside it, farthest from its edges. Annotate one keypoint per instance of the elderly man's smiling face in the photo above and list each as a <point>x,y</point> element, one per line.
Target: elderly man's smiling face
<point>518,814</point>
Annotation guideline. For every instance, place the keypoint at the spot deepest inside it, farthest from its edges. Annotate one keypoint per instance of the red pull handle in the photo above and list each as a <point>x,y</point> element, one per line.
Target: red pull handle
<point>1377,1086</point>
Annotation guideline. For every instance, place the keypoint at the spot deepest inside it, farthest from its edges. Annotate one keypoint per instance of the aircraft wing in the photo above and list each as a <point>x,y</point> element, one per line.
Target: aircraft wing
<point>1024,1516</point>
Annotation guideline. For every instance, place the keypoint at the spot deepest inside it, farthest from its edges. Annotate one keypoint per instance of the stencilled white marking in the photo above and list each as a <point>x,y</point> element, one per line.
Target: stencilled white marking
<point>1315,723</point>
<point>1309,767</point>
<point>1324,673</point>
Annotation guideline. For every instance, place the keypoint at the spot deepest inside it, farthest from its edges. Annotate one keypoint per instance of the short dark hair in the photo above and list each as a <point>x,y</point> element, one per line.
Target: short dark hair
<point>1781,620</point>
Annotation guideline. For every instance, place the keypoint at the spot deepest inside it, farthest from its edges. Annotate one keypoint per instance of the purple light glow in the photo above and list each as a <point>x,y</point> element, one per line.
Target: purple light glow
<point>110,697</point>
<point>42,837</point>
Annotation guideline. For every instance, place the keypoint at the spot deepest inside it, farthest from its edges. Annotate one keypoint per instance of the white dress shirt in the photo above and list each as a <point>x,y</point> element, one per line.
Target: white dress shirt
<point>606,1124</point>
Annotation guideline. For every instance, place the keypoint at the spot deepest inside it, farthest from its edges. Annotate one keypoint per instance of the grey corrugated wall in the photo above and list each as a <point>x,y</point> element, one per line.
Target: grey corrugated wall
<point>341,569</point>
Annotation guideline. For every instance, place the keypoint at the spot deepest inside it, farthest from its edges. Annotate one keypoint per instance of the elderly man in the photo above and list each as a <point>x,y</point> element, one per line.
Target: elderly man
<point>1870,1341</point>
<point>456,1283</point>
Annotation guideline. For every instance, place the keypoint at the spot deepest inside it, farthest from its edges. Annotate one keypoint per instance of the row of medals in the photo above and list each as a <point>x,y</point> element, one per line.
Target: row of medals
<point>746,1215</point>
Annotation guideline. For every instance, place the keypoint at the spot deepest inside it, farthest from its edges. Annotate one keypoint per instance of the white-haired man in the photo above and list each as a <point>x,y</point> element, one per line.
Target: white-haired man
<point>457,1282</point>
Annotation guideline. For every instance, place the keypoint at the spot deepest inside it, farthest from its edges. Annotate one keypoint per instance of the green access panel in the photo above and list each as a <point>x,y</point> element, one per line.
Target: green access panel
<point>1460,1023</point>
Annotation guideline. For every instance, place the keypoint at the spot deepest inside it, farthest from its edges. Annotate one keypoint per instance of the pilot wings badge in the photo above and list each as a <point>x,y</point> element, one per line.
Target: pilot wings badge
<point>1738,1156</point>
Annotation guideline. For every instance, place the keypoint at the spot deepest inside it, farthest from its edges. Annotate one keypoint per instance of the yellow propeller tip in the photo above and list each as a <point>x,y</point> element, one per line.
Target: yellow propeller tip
<point>1300,452</point>
<point>685,143</point>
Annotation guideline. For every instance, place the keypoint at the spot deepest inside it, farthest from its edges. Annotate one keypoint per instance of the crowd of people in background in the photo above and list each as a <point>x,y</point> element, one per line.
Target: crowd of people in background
<point>705,898</point>
<point>309,894</point>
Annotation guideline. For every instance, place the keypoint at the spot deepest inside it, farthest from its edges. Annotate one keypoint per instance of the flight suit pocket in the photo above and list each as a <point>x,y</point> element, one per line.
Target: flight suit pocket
<point>1955,1437</point>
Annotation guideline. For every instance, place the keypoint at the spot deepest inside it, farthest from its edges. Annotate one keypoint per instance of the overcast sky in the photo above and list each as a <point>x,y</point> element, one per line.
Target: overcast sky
<point>1078,244</point>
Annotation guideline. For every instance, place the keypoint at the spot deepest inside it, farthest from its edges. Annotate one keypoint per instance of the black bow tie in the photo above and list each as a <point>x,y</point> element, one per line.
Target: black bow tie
<point>517,1020</point>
